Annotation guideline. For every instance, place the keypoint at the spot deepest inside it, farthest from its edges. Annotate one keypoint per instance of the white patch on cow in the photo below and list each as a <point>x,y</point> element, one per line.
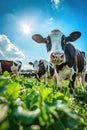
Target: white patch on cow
<point>14,68</point>
<point>73,72</point>
<point>65,73</point>
<point>56,37</point>
<point>0,68</point>
<point>35,67</point>
<point>45,63</point>
<point>58,79</point>
<point>56,52</point>
<point>46,76</point>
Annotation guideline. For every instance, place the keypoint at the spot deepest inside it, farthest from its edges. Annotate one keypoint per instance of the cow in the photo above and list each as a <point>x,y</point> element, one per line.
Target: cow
<point>67,60</point>
<point>13,67</point>
<point>28,74</point>
<point>43,69</point>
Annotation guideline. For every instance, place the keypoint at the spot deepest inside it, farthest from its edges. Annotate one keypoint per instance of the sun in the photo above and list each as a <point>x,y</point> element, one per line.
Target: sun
<point>25,28</point>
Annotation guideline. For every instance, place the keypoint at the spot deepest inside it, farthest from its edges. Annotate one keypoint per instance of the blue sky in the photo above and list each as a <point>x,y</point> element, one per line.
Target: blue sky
<point>40,16</point>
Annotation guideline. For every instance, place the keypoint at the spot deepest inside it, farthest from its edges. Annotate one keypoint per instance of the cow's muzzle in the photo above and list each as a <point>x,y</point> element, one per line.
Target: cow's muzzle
<point>56,58</point>
<point>35,71</point>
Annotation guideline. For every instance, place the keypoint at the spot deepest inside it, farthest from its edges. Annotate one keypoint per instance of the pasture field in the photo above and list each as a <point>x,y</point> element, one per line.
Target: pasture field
<point>26,104</point>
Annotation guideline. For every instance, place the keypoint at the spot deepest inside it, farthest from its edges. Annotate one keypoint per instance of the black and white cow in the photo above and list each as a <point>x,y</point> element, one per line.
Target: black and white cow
<point>10,66</point>
<point>43,69</point>
<point>68,61</point>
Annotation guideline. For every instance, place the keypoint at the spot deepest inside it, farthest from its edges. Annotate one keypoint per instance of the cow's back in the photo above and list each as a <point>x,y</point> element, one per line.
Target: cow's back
<point>5,65</point>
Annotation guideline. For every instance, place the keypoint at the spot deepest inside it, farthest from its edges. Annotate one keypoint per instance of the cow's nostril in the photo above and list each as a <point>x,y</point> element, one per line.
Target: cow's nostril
<point>62,56</point>
<point>52,55</point>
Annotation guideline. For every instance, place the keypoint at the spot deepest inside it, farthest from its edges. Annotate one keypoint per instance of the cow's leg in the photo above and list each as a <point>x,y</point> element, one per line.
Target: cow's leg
<point>83,80</point>
<point>45,78</point>
<point>59,82</point>
<point>71,84</point>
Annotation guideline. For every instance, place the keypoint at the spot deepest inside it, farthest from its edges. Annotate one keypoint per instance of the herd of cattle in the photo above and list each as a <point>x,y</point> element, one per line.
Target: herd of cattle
<point>65,61</point>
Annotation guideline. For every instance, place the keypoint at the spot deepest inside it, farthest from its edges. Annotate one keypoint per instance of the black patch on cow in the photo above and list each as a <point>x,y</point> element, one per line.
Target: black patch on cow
<point>60,67</point>
<point>71,83</point>
<point>42,69</point>
<point>51,71</point>
<point>63,40</point>
<point>15,64</point>
<point>48,44</point>
<point>83,53</point>
<point>70,53</point>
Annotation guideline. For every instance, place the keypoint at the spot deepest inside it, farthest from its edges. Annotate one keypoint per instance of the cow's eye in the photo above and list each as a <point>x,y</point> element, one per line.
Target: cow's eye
<point>64,41</point>
<point>47,41</point>
<point>48,45</point>
<point>41,64</point>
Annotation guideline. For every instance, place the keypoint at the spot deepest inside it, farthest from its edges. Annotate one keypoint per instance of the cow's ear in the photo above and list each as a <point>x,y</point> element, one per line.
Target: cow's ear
<point>73,36</point>
<point>38,38</point>
<point>30,63</point>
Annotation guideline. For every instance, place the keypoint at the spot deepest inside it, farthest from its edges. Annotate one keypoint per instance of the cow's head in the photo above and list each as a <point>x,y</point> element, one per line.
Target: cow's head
<point>39,66</point>
<point>55,44</point>
<point>35,66</point>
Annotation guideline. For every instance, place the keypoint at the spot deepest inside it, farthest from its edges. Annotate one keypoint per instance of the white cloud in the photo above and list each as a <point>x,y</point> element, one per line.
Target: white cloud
<point>55,4</point>
<point>51,20</point>
<point>9,50</point>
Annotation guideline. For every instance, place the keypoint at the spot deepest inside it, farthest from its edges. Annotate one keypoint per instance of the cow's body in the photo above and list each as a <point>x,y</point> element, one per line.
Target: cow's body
<point>10,66</point>
<point>68,61</point>
<point>43,69</point>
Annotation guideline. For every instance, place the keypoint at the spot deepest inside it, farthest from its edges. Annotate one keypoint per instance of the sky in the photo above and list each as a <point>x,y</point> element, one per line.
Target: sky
<point>20,19</point>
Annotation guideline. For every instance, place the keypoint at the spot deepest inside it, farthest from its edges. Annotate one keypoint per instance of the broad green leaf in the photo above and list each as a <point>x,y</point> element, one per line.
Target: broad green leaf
<point>25,116</point>
<point>3,82</point>
<point>64,107</point>
<point>5,125</point>
<point>13,90</point>
<point>6,74</point>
